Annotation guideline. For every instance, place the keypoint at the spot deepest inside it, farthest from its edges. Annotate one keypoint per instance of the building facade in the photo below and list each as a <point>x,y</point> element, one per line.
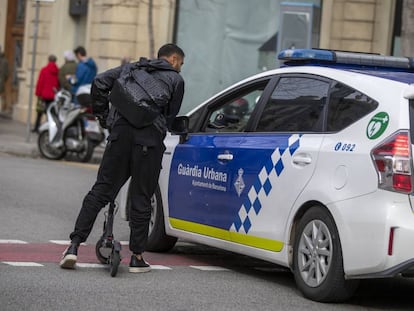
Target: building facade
<point>113,29</point>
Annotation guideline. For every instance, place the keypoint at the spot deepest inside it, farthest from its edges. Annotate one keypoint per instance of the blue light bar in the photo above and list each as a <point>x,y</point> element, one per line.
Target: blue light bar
<point>310,56</point>
<point>306,54</point>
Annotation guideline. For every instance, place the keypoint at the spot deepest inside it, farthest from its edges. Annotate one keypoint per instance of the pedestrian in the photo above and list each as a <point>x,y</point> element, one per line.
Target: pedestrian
<point>85,70</point>
<point>131,151</point>
<point>46,87</point>
<point>68,70</point>
<point>4,74</point>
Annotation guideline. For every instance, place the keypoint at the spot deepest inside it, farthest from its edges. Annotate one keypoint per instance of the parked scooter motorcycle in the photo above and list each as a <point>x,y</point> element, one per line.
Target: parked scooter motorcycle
<point>70,127</point>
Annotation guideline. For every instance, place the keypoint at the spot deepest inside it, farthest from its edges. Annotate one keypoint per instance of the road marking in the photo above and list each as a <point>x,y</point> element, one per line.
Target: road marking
<point>63,242</point>
<point>97,265</point>
<point>85,165</point>
<point>22,264</point>
<point>67,242</point>
<point>60,242</point>
<point>209,268</point>
<point>12,242</point>
<point>160,267</point>
<point>90,265</point>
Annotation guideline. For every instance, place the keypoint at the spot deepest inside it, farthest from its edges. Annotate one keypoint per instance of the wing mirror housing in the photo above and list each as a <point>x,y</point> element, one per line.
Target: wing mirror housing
<point>180,126</point>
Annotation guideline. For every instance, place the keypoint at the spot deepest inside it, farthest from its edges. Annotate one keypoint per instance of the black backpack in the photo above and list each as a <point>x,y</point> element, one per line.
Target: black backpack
<point>138,96</point>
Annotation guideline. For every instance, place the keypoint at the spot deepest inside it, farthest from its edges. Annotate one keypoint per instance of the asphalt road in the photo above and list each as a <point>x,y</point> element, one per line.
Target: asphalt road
<point>39,201</point>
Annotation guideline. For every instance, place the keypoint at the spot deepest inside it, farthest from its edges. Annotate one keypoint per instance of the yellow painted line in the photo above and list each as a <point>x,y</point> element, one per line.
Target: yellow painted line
<point>80,164</point>
<point>240,238</point>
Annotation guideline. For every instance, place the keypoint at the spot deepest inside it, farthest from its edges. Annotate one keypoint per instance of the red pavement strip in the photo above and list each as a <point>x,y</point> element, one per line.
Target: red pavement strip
<point>50,252</point>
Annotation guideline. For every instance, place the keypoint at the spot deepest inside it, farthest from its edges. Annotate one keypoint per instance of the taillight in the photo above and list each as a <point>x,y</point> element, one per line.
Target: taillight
<point>392,160</point>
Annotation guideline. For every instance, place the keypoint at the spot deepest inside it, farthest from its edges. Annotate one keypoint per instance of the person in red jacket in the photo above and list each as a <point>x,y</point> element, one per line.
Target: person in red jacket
<point>47,84</point>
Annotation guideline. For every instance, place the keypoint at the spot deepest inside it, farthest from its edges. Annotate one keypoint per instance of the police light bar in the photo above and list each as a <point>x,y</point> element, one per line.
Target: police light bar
<point>315,56</point>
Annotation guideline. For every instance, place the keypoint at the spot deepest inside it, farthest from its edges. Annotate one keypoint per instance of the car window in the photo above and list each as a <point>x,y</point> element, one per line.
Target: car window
<point>347,105</point>
<point>295,105</point>
<point>232,113</point>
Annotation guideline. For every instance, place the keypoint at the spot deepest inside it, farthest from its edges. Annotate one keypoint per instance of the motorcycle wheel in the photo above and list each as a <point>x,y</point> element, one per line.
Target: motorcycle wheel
<point>86,154</point>
<point>46,150</point>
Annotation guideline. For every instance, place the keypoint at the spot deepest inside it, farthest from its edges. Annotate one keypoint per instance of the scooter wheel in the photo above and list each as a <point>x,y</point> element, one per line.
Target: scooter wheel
<point>101,252</point>
<point>46,148</point>
<point>115,260</point>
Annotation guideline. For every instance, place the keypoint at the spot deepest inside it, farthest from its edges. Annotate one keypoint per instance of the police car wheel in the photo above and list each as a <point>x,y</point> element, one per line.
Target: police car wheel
<point>317,259</point>
<point>158,240</point>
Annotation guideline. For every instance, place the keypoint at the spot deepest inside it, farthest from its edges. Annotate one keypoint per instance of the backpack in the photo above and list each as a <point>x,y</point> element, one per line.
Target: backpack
<point>138,96</point>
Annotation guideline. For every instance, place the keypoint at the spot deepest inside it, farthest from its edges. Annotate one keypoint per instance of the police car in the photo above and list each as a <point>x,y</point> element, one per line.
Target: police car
<point>308,166</point>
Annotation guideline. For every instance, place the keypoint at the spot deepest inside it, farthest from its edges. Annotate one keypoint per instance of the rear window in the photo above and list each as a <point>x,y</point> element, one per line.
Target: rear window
<point>295,105</point>
<point>346,106</point>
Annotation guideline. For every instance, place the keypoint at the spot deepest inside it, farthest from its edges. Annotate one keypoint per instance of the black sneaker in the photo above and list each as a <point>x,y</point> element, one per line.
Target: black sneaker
<point>70,255</point>
<point>138,265</point>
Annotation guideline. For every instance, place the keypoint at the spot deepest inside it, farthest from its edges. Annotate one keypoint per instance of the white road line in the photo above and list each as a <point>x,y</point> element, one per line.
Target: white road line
<point>63,242</point>
<point>67,242</point>
<point>22,264</point>
<point>97,265</point>
<point>12,242</point>
<point>159,267</point>
<point>90,265</point>
<point>209,268</point>
<point>60,242</point>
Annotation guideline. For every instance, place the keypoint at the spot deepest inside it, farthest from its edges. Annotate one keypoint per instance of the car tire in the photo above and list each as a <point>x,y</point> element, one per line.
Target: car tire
<point>317,259</point>
<point>158,240</point>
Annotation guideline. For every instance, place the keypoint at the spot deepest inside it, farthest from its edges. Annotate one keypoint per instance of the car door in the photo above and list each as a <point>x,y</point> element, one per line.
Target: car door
<point>239,186</point>
<point>287,137</point>
<point>202,196</point>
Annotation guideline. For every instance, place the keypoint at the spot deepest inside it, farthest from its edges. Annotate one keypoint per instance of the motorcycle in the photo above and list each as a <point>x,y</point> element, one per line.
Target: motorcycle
<point>70,127</point>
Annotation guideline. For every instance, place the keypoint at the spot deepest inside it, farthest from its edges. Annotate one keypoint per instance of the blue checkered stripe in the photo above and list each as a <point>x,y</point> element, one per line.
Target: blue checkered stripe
<point>262,186</point>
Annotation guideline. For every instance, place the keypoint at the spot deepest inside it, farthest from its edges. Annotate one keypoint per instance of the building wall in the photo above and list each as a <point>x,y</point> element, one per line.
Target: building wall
<point>3,17</point>
<point>121,31</point>
<point>112,29</point>
<point>357,25</point>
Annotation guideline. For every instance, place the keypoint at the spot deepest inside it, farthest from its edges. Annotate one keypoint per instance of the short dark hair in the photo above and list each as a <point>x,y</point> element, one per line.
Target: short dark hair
<point>80,50</point>
<point>168,49</point>
<point>52,58</point>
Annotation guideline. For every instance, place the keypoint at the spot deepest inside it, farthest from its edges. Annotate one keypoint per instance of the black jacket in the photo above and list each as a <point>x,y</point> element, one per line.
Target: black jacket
<point>161,70</point>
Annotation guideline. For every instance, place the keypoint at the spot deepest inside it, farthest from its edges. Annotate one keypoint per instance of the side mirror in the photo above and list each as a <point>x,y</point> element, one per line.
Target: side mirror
<point>180,126</point>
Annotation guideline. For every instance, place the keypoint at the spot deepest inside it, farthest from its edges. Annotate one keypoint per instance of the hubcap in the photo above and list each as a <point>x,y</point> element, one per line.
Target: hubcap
<point>315,253</point>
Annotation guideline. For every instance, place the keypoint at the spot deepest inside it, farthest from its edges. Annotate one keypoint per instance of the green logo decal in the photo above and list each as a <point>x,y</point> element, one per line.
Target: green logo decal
<point>377,125</point>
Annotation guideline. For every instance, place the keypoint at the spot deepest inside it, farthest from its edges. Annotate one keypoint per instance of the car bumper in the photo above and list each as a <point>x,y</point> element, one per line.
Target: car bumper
<point>365,224</point>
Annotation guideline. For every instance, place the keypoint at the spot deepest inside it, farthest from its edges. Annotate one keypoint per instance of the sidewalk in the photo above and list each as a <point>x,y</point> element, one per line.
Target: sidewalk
<point>13,140</point>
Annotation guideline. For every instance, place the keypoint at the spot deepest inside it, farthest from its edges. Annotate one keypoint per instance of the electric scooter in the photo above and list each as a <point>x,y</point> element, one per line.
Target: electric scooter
<point>108,250</point>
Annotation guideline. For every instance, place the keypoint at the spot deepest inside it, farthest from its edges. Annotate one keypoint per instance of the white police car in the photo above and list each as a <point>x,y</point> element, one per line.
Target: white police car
<point>308,166</point>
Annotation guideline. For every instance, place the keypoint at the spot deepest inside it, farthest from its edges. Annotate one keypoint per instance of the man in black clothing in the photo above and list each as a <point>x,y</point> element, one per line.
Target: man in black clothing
<point>131,151</point>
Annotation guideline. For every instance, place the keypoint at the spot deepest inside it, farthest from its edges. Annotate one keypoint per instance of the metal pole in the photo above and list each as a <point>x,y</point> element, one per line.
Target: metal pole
<point>29,113</point>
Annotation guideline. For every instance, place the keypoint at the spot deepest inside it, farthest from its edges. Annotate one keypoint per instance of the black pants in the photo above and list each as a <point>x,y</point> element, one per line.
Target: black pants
<point>124,156</point>
<point>40,114</point>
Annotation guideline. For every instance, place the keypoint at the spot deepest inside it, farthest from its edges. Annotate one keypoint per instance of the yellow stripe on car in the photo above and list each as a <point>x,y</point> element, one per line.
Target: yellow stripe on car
<point>240,238</point>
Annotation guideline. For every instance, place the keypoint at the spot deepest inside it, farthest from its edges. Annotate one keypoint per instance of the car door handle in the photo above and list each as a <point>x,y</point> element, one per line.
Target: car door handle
<point>302,159</point>
<point>225,157</point>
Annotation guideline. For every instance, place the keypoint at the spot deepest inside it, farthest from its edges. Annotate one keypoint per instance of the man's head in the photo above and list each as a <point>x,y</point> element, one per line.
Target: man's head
<point>52,58</point>
<point>80,52</point>
<point>173,54</point>
<point>69,56</point>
